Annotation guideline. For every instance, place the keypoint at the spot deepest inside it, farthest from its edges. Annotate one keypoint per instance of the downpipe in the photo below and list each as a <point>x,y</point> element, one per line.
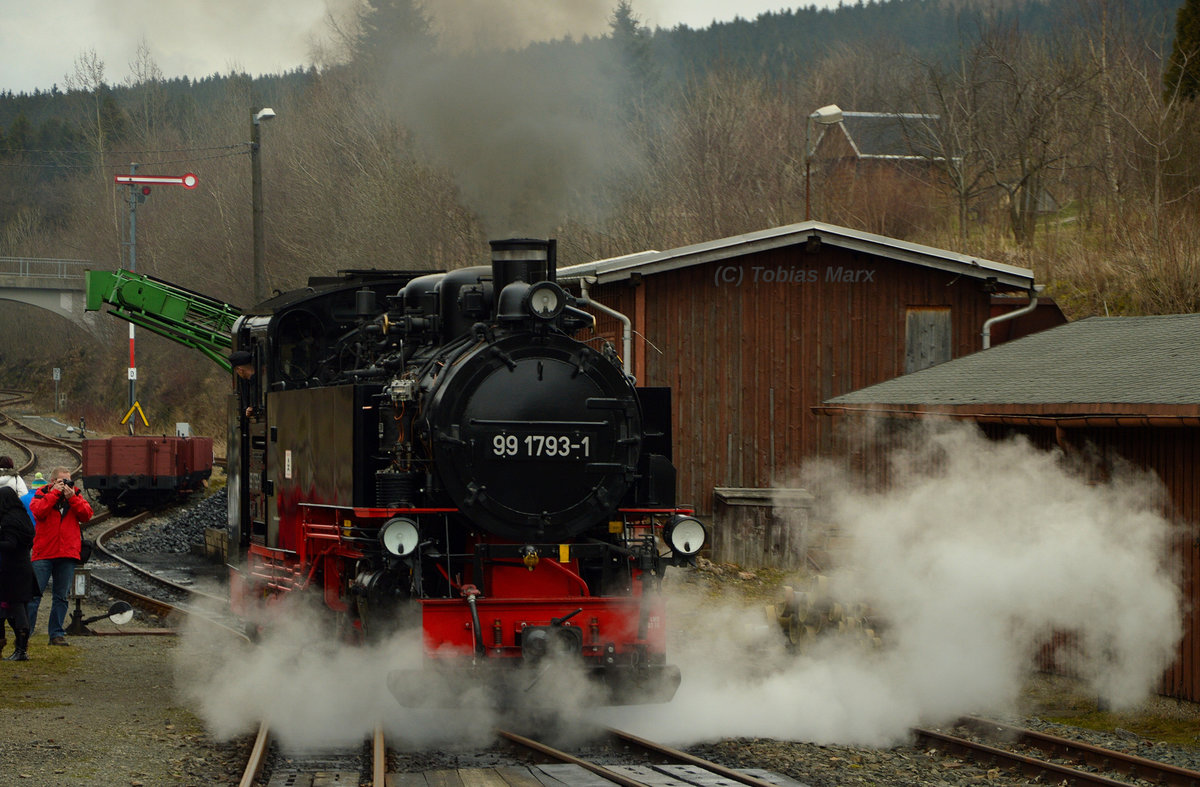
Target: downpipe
<point>626,323</point>
<point>1033,302</point>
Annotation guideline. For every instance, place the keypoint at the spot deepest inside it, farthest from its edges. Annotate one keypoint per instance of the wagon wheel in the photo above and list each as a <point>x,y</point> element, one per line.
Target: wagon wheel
<point>796,632</point>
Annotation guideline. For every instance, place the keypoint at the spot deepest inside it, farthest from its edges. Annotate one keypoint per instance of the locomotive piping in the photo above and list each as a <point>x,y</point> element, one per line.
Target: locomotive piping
<point>476,628</point>
<point>626,323</point>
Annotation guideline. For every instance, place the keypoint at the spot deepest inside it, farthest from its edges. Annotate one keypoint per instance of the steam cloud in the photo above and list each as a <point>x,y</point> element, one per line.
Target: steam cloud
<point>978,552</point>
<point>312,691</point>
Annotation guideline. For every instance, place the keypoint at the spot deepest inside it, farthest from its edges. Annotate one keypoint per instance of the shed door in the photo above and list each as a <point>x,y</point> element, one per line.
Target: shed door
<point>927,337</point>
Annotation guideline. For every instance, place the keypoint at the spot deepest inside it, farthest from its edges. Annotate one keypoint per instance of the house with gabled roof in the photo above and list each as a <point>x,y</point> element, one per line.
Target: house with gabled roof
<point>752,332</point>
<point>880,136</point>
<point>879,144</point>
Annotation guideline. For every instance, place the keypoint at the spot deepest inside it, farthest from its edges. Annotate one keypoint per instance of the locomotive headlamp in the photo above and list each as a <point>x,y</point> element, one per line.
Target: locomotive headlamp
<point>399,536</point>
<point>686,536</point>
<point>546,300</point>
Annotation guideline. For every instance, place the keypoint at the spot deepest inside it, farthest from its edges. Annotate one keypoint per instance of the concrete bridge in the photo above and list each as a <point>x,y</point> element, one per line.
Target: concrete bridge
<point>55,285</point>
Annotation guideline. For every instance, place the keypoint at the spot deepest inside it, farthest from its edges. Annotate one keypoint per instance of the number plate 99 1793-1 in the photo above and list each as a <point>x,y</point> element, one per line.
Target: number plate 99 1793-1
<point>541,446</point>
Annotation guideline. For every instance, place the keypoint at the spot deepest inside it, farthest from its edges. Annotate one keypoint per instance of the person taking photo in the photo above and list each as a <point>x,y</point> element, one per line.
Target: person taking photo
<point>59,509</point>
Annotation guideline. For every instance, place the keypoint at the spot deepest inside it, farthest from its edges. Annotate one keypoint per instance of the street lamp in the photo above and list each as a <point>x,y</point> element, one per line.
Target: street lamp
<point>827,116</point>
<point>260,277</point>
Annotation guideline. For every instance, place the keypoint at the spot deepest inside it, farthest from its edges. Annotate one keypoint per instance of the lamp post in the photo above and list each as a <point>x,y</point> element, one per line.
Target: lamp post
<point>260,276</point>
<point>827,116</point>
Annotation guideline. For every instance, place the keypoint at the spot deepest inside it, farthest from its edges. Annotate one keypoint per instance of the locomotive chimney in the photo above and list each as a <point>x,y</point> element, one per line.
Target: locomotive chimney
<point>523,259</point>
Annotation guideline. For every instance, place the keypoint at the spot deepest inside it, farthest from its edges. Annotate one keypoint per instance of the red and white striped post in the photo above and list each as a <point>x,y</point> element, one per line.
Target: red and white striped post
<point>131,180</point>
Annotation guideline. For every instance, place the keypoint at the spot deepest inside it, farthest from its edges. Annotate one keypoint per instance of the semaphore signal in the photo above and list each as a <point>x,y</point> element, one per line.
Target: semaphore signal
<point>188,181</point>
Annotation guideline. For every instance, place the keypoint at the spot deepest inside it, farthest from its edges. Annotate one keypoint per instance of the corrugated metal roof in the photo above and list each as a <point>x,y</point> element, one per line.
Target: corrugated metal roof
<point>884,135</point>
<point>650,262</point>
<point>1135,360</point>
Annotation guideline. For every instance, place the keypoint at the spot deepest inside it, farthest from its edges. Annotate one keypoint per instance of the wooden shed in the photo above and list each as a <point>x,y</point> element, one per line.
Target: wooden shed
<point>754,331</point>
<point>1126,387</point>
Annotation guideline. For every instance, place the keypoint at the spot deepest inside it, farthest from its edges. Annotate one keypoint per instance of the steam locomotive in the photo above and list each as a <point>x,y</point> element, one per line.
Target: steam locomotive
<point>438,449</point>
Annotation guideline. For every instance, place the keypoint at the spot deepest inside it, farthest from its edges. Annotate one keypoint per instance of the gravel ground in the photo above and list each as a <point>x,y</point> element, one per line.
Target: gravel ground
<point>106,712</point>
<point>179,530</point>
<point>836,766</point>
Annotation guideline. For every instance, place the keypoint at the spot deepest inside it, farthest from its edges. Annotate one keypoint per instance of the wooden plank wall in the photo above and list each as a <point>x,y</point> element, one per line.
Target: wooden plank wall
<point>764,527</point>
<point>1172,454</point>
<point>748,355</point>
<point>750,344</point>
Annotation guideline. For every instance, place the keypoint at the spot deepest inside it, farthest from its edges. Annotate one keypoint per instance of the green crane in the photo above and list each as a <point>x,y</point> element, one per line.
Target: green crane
<point>186,317</point>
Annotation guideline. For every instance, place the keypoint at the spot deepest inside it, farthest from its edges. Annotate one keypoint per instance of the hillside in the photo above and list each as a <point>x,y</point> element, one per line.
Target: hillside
<point>1049,142</point>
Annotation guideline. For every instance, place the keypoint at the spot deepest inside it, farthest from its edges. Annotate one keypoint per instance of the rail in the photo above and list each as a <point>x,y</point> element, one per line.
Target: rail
<point>30,437</point>
<point>668,754</point>
<point>156,606</point>
<point>313,767</point>
<point>1049,770</point>
<point>1095,756</point>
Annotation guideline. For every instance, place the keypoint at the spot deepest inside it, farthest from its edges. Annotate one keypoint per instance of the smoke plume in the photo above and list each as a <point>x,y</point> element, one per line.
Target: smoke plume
<point>531,136</point>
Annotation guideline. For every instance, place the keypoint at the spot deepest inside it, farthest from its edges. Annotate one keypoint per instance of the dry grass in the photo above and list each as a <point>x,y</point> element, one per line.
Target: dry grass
<point>1064,700</point>
<point>24,682</point>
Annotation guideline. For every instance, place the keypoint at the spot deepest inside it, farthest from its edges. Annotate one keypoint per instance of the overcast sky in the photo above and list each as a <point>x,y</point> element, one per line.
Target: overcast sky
<point>41,40</point>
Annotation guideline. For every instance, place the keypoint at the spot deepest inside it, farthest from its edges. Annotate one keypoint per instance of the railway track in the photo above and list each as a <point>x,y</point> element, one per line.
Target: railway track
<point>11,398</point>
<point>1096,766</point>
<point>654,765</point>
<point>148,589</point>
<point>25,442</point>
<point>662,766</point>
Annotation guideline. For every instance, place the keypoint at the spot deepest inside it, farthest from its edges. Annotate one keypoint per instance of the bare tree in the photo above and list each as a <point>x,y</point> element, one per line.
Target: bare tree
<point>1035,99</point>
<point>949,136</point>
<point>87,80</point>
<point>726,158</point>
<point>145,82</point>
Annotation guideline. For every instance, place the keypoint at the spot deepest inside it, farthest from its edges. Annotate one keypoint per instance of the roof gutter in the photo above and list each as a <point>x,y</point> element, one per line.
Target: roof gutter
<point>1057,421</point>
<point>988,323</point>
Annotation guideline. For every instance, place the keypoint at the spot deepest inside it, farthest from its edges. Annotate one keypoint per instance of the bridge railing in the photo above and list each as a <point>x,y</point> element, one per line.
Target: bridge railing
<point>44,268</point>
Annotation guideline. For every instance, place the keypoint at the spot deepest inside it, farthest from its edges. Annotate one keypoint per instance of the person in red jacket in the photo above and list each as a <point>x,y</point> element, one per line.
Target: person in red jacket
<point>58,512</point>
